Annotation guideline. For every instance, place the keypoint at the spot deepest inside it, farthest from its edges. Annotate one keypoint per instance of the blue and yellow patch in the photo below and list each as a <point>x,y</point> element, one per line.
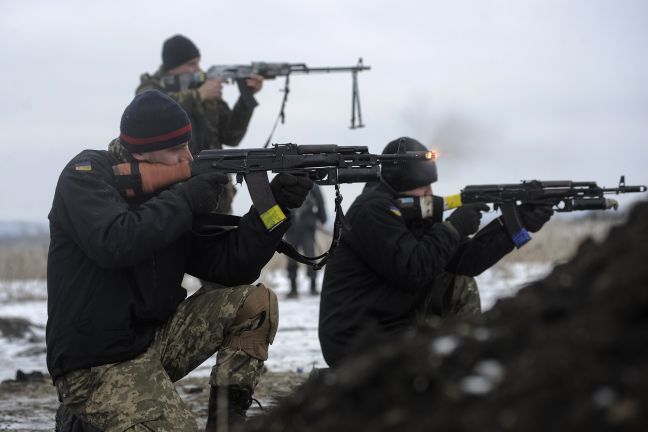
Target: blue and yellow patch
<point>83,166</point>
<point>395,210</point>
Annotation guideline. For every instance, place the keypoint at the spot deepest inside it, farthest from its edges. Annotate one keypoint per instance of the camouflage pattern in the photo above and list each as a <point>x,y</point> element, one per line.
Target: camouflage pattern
<point>461,299</point>
<point>139,394</point>
<point>214,124</point>
<point>117,149</point>
<point>225,201</point>
<point>465,300</point>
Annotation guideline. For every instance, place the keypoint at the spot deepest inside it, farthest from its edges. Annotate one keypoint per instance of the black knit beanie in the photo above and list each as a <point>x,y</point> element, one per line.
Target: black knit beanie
<point>178,50</point>
<point>153,121</point>
<point>408,175</point>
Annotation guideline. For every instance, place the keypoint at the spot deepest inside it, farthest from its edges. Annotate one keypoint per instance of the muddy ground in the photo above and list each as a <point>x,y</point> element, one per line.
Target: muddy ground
<point>568,353</point>
<point>30,405</point>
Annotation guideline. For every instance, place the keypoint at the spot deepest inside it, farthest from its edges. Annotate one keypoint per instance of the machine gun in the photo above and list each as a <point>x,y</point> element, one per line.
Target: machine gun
<point>323,164</point>
<point>563,196</point>
<point>240,74</point>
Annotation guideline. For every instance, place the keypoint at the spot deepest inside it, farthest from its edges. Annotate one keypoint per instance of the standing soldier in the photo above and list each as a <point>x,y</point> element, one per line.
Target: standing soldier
<point>213,123</point>
<point>302,235</point>
<point>121,329</point>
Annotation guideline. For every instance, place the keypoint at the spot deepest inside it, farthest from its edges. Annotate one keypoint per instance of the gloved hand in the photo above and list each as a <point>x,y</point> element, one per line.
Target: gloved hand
<point>203,191</point>
<point>290,191</point>
<point>467,217</point>
<point>534,216</point>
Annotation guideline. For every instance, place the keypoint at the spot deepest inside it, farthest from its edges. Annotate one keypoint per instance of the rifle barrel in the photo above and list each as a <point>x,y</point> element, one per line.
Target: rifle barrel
<point>306,69</point>
<point>624,189</point>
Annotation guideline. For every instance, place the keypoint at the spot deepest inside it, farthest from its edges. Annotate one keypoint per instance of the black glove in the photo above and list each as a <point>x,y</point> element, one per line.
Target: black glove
<point>534,216</point>
<point>467,217</point>
<point>290,191</point>
<point>204,191</point>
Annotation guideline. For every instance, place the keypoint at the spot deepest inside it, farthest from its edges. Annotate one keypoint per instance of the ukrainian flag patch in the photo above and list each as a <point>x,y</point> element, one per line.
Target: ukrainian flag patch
<point>83,166</point>
<point>395,210</point>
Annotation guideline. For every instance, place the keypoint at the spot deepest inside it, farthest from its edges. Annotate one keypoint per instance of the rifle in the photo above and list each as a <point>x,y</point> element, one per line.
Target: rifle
<point>563,196</point>
<point>324,164</point>
<point>240,73</point>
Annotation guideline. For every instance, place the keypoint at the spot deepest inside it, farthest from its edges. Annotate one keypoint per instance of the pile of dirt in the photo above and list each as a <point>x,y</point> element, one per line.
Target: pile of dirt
<point>568,353</point>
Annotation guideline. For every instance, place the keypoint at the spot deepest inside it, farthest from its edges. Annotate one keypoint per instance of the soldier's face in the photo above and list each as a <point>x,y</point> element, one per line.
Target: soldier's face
<point>192,66</point>
<point>419,191</point>
<point>170,156</point>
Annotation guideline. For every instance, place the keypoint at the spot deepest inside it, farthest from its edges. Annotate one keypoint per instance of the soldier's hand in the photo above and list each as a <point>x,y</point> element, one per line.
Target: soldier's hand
<point>211,89</point>
<point>204,191</point>
<point>290,191</point>
<point>255,82</point>
<point>534,216</point>
<point>467,217</point>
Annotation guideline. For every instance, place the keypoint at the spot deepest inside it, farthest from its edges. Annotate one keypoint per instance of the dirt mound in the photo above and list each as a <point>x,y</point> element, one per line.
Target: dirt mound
<point>568,353</point>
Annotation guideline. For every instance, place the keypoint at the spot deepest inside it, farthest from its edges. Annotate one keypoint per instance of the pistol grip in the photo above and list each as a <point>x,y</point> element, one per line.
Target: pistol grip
<point>246,93</point>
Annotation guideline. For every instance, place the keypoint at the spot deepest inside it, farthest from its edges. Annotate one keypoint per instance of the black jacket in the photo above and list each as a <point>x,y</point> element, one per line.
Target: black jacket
<point>115,267</point>
<point>304,219</point>
<point>382,268</point>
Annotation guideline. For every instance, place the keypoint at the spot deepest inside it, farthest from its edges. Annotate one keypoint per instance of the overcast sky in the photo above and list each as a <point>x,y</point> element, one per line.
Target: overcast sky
<point>504,90</point>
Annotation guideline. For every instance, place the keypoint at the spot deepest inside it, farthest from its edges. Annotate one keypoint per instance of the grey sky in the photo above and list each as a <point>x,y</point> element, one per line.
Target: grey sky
<point>505,90</point>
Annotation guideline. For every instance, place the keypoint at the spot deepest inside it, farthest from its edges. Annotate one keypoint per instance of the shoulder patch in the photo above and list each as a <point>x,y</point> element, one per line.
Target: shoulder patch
<point>83,166</point>
<point>395,210</point>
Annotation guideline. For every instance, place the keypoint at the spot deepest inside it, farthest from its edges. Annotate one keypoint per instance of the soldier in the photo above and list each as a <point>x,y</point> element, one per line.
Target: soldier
<point>214,124</point>
<point>395,269</point>
<point>121,329</point>
<point>302,235</point>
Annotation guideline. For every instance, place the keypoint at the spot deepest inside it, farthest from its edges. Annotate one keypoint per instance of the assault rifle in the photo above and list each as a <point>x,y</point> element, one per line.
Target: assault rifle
<point>563,196</point>
<point>240,73</point>
<point>323,164</point>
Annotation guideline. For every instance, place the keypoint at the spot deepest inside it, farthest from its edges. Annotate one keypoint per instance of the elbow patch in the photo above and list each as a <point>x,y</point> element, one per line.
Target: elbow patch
<point>255,325</point>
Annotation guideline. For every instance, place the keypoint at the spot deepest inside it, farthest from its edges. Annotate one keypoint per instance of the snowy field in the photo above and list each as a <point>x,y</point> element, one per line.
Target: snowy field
<point>296,347</point>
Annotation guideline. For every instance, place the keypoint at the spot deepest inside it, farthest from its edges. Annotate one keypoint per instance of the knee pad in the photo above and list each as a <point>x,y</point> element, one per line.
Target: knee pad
<point>255,325</point>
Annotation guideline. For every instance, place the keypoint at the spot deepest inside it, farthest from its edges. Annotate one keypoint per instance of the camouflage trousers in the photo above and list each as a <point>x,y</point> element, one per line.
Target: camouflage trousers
<point>460,298</point>
<point>139,394</point>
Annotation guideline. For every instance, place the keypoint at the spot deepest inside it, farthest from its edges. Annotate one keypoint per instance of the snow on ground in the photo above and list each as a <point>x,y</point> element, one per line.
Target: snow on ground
<point>296,346</point>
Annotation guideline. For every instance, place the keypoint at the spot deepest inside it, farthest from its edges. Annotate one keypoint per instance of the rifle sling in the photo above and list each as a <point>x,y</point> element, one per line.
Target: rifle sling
<point>216,223</point>
<point>282,112</point>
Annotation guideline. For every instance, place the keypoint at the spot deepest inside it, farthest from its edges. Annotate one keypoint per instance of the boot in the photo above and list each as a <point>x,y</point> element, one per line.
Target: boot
<point>313,287</point>
<point>66,421</point>
<point>237,399</point>
<point>293,289</point>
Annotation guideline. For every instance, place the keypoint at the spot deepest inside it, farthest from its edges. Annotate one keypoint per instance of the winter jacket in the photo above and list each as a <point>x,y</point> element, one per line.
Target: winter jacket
<point>115,267</point>
<point>382,269</point>
<point>304,219</point>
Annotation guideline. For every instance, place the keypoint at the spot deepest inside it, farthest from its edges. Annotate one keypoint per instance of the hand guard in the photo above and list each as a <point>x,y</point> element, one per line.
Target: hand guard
<point>534,216</point>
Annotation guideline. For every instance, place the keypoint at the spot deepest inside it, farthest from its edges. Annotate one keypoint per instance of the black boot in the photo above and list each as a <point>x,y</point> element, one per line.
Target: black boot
<point>236,401</point>
<point>313,287</point>
<point>66,421</point>
<point>293,289</point>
